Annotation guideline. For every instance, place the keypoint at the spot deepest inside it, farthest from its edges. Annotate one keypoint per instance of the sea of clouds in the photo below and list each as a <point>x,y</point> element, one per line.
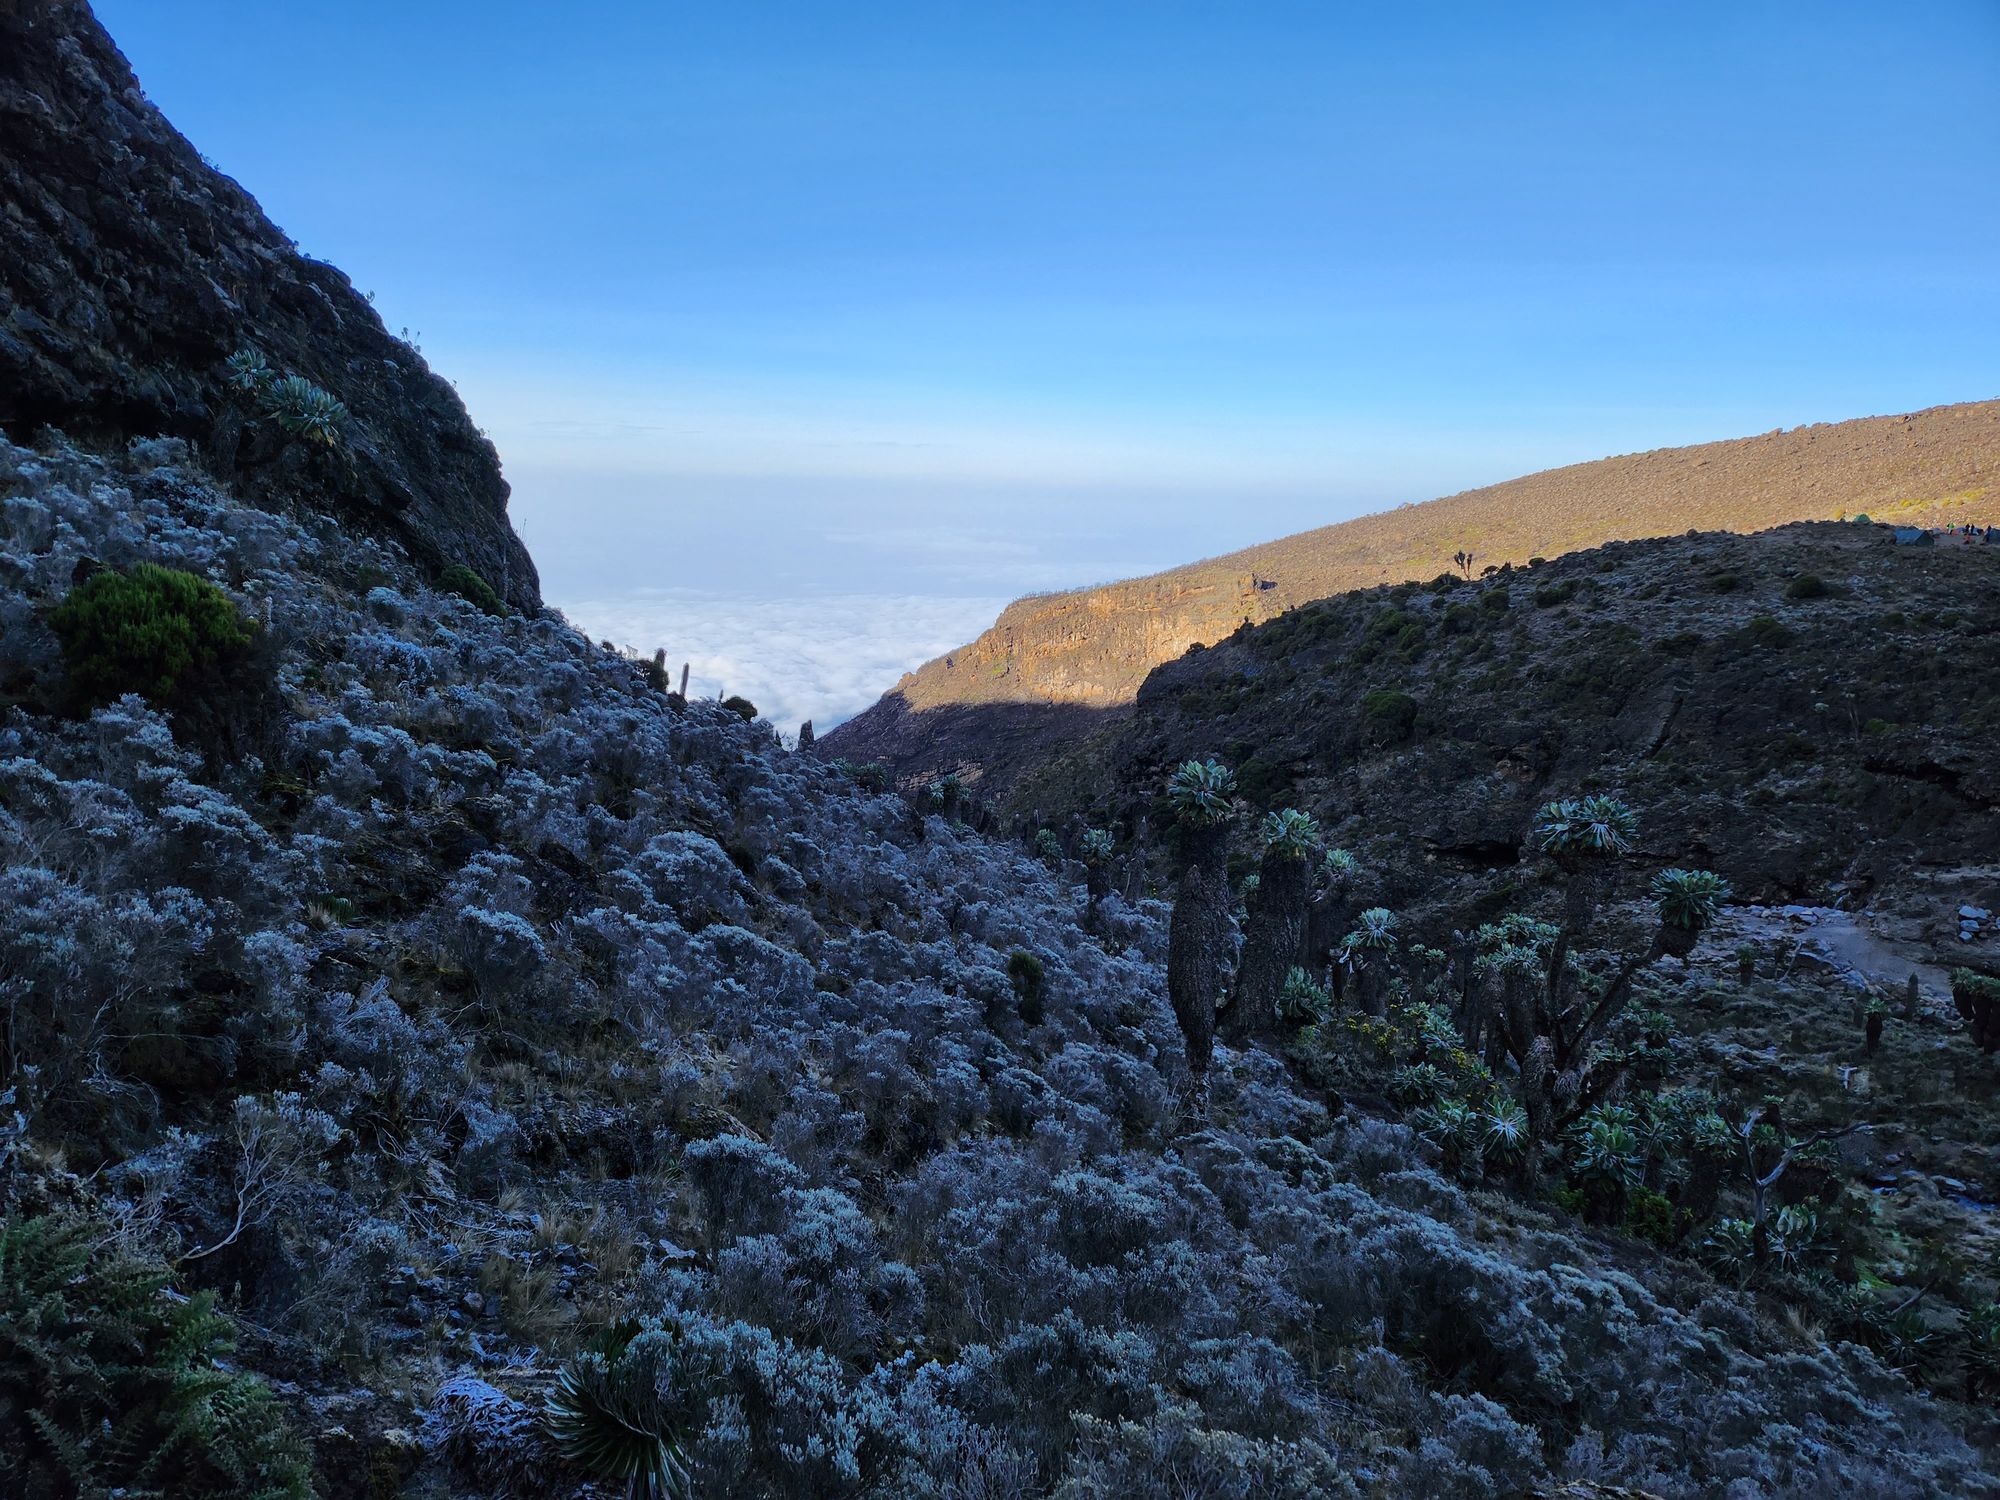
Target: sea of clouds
<point>823,658</point>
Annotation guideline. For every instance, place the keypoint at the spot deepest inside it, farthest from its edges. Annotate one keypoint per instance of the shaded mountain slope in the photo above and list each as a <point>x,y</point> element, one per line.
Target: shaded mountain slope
<point>1093,647</point>
<point>130,270</point>
<point>1814,709</point>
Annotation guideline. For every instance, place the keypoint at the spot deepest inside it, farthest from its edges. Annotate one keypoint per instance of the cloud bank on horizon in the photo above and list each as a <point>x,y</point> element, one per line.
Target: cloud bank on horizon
<point>822,658</point>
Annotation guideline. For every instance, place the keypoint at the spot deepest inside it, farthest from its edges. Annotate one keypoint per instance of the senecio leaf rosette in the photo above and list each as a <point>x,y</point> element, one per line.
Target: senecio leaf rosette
<point>1200,792</point>
<point>304,410</point>
<point>248,372</point>
<point>1689,899</point>
<point>1374,932</point>
<point>1096,845</point>
<point>1586,825</point>
<point>606,1417</point>
<point>1504,1128</point>
<point>1291,833</point>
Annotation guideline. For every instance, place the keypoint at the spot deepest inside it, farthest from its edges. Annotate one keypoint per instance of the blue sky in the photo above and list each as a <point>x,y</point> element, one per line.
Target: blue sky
<point>953,300</point>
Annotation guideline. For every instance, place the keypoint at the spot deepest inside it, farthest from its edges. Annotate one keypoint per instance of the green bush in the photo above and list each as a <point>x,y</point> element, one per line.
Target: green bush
<point>1026,972</point>
<point>468,585</point>
<point>1391,714</point>
<point>742,707</point>
<point>154,631</point>
<point>111,1384</point>
<point>1264,781</point>
<point>1768,633</point>
<point>1303,1000</point>
<point>1689,899</point>
<point>248,373</point>
<point>1200,792</point>
<point>1580,826</point>
<point>869,775</point>
<point>1807,586</point>
<point>1550,595</point>
<point>1291,833</point>
<point>1388,625</point>
<point>1971,983</point>
<point>1650,1216</point>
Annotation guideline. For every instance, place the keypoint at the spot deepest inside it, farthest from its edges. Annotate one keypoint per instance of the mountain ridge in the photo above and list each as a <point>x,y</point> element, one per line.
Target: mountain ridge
<point>1092,648</point>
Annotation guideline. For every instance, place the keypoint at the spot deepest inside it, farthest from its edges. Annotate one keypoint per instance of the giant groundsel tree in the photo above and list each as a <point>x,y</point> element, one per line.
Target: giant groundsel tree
<point>1201,793</point>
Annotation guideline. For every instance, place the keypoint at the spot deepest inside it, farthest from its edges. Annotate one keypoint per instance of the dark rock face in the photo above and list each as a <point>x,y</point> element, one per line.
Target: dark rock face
<point>130,270</point>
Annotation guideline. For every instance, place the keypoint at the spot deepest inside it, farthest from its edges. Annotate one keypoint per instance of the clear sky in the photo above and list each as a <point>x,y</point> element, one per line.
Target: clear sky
<point>951,300</point>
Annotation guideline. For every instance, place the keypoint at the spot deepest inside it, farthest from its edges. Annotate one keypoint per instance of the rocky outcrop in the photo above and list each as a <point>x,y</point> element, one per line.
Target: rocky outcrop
<point>130,270</point>
<point>1092,648</point>
<point>1808,709</point>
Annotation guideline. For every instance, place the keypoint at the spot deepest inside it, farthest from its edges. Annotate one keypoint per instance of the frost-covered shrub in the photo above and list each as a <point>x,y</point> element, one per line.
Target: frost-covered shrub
<point>822,1278</point>
<point>740,1183</point>
<point>1173,1452</point>
<point>770,1418</point>
<point>491,1439</point>
<point>691,876</point>
<point>499,948</point>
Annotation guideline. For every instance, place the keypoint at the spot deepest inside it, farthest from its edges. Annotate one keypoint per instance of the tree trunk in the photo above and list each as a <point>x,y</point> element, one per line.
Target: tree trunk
<point>1097,880</point>
<point>1135,865</point>
<point>1273,944</point>
<point>1538,1101</point>
<point>1197,943</point>
<point>1327,921</point>
<point>1373,982</point>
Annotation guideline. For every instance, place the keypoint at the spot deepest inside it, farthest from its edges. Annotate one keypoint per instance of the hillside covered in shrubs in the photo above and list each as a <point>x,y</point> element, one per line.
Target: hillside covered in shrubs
<point>1812,710</point>
<point>438,1060</point>
<point>473,1005</point>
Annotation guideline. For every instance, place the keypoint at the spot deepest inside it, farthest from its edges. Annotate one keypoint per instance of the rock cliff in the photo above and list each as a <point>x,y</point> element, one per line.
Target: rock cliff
<point>130,270</point>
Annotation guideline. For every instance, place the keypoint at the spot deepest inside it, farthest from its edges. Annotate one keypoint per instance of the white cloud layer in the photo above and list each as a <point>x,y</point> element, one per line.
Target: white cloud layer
<point>823,658</point>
